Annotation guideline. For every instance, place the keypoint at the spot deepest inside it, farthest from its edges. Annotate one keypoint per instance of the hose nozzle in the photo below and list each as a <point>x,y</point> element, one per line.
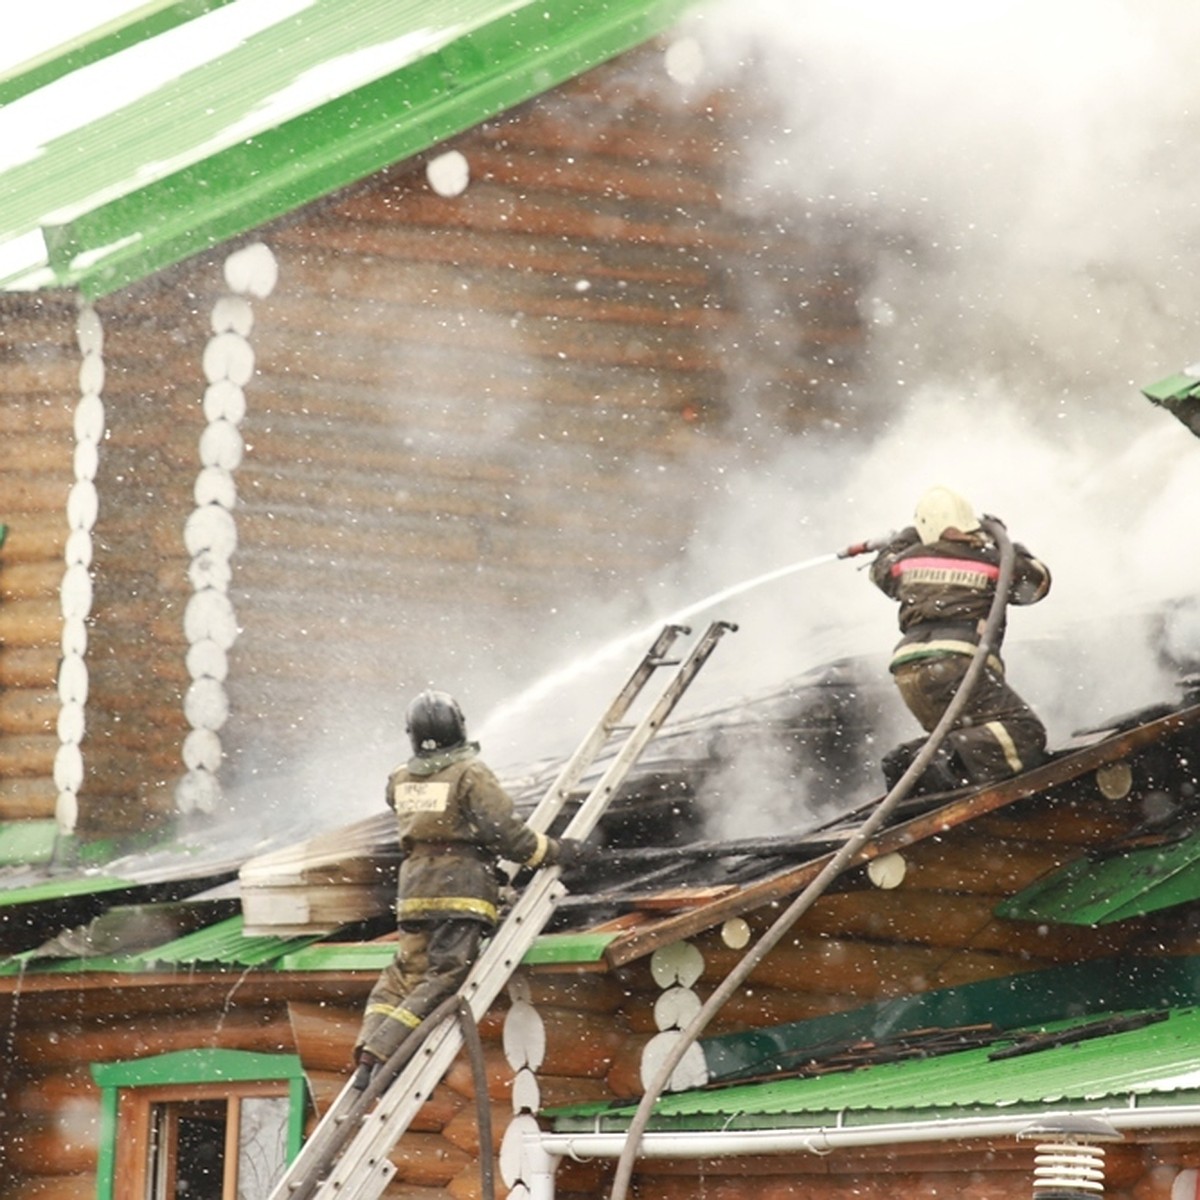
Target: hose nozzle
<point>867,547</point>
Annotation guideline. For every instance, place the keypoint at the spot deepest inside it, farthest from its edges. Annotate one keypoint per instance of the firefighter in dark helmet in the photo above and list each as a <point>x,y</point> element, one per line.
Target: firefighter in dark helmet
<point>943,571</point>
<point>455,823</point>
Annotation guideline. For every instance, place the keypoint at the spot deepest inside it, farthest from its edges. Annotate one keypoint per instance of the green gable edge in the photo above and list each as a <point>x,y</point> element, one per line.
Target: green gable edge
<point>504,58</point>
<point>147,22</point>
<point>224,944</point>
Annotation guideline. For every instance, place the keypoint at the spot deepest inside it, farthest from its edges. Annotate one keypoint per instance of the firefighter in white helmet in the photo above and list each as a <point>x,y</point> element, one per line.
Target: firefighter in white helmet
<point>455,822</point>
<point>943,570</point>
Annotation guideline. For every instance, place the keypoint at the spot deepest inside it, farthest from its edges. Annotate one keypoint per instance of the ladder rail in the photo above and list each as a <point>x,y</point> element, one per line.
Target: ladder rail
<point>363,1168</point>
<point>572,771</point>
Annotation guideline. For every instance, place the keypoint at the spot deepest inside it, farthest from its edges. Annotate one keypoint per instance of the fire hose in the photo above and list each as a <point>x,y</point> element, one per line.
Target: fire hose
<point>836,865</point>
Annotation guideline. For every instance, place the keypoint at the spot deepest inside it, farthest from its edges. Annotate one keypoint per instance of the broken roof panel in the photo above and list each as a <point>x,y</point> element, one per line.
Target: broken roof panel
<point>1099,890</point>
<point>146,143</point>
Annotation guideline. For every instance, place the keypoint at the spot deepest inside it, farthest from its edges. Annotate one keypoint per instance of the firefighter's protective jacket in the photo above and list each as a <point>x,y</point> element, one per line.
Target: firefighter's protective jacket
<point>945,589</point>
<point>455,821</point>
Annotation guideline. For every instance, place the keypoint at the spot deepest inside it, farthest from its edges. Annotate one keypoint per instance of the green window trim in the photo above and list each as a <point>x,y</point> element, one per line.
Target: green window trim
<point>183,1067</point>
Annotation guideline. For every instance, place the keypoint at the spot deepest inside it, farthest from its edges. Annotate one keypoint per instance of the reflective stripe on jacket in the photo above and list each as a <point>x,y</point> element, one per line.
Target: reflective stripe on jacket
<point>455,821</point>
<point>945,590</point>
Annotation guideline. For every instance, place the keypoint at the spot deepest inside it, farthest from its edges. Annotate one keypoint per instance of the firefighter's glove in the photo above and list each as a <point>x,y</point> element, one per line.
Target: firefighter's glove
<point>573,854</point>
<point>364,1069</point>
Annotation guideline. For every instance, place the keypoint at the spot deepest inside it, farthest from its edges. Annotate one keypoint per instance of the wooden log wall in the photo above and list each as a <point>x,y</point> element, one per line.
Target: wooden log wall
<point>39,367</point>
<point>476,416</point>
<point>468,413</point>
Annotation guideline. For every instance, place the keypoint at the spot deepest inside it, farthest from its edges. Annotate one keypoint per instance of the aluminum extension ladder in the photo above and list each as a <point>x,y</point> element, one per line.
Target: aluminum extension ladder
<point>347,1154</point>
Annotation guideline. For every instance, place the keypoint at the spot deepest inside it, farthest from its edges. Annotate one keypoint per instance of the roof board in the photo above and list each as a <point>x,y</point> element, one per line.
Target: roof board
<point>122,157</point>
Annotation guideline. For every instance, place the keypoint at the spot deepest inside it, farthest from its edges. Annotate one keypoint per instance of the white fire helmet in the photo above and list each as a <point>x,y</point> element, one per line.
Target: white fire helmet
<point>941,509</point>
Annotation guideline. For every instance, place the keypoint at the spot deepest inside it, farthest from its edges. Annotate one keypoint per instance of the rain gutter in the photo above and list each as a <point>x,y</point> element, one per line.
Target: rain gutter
<point>822,1139</point>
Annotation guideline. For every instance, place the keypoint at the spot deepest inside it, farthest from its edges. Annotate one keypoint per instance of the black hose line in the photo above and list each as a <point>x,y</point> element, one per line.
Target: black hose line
<point>483,1108</point>
<point>836,865</point>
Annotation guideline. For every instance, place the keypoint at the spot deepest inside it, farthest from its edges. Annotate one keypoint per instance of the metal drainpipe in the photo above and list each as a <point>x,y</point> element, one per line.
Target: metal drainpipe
<point>842,859</point>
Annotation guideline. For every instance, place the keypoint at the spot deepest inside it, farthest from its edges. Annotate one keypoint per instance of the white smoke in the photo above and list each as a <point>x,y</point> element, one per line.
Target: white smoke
<point>1017,176</point>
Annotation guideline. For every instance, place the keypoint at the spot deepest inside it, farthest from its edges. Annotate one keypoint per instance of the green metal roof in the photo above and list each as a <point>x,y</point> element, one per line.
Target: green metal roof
<point>1099,987</point>
<point>1099,891</point>
<point>1156,1063</point>
<point>192,122</point>
<point>225,944</point>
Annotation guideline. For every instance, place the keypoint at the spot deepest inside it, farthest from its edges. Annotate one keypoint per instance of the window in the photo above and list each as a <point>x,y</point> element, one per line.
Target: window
<point>198,1125</point>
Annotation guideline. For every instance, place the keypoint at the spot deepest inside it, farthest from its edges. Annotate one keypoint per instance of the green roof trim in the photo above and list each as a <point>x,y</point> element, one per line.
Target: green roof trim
<point>568,948</point>
<point>1155,1062</point>
<point>197,1066</point>
<point>284,114</point>
<point>1180,395</point>
<point>550,948</point>
<point>23,843</point>
<point>146,22</point>
<point>63,889</point>
<point>1128,884</point>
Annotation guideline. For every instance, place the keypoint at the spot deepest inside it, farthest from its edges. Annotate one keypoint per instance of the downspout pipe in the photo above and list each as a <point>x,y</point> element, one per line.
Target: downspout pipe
<point>837,864</point>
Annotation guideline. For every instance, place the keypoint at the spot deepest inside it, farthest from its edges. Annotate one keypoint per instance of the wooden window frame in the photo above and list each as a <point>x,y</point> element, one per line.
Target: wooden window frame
<point>130,1091</point>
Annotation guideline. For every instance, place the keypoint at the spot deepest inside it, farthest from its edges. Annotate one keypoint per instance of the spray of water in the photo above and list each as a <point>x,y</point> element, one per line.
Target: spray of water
<point>563,676</point>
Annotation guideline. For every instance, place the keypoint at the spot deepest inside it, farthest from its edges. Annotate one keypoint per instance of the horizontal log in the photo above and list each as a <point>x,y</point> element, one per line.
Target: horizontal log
<point>864,969</point>
<point>427,1159</point>
<point>38,580</point>
<point>26,711</point>
<point>579,1044</point>
<point>578,988</point>
<point>972,863</point>
<point>556,1090</point>
<point>44,1095</point>
<point>233,1030</point>
<point>316,906</point>
<point>624,1076</point>
<point>42,494</point>
<point>31,622</point>
<point>29,799</point>
<point>751,1007</point>
<point>29,666</point>
<point>48,413</point>
<point>52,1187</point>
<point>409,1191</point>
<point>908,915</point>
<point>499,1075</point>
<point>462,1130</point>
<point>979,1185</point>
<point>468,1184</point>
<point>41,453</point>
<point>28,755</point>
<point>431,1117</point>
<point>34,536</point>
<point>55,377</point>
<point>324,1034</point>
<point>55,1147</point>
